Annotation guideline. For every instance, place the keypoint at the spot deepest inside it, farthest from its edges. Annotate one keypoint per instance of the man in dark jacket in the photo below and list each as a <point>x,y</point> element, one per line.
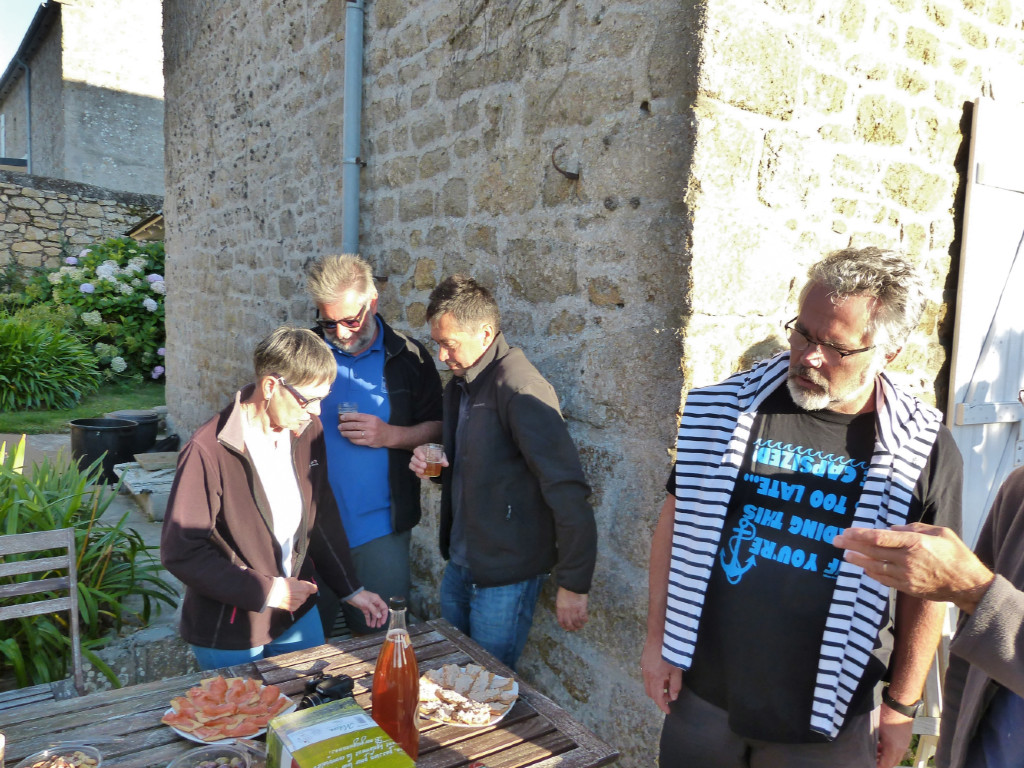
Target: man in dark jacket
<point>514,497</point>
<point>390,391</point>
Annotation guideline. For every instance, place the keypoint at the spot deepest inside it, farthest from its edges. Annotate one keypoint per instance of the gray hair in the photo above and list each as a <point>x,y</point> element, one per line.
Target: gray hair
<point>469,303</point>
<point>885,275</point>
<point>297,355</point>
<point>331,276</point>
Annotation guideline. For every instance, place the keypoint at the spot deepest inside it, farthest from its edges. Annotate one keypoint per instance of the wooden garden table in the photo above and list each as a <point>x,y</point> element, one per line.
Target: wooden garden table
<point>125,723</point>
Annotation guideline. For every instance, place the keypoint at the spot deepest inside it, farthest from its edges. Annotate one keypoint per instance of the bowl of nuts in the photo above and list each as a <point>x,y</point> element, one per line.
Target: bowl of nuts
<point>212,756</point>
<point>65,755</point>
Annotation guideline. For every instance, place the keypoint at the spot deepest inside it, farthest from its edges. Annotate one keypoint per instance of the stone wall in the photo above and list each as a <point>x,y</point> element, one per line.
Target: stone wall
<point>97,96</point>
<point>38,216</point>
<point>642,184</point>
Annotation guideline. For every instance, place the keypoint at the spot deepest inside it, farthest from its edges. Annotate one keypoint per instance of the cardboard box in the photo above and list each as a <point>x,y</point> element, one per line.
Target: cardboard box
<point>339,734</point>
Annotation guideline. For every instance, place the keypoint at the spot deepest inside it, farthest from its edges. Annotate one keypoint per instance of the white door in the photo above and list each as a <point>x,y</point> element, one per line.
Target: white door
<point>988,343</point>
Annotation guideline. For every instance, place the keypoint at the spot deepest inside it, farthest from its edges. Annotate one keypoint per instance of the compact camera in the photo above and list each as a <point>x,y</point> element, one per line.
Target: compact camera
<point>324,689</point>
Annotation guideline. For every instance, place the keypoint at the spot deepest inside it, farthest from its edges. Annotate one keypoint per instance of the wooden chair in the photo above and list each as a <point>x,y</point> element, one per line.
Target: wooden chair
<point>21,543</point>
<point>926,724</point>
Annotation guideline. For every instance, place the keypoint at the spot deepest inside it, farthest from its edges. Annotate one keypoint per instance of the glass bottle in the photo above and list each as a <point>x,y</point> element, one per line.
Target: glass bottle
<point>395,695</point>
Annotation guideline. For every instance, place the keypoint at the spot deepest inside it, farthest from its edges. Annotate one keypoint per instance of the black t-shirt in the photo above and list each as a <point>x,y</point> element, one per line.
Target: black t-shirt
<point>771,585</point>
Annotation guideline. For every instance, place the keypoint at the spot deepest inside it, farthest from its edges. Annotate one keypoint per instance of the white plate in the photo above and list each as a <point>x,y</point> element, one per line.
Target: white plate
<point>494,718</point>
<point>231,740</point>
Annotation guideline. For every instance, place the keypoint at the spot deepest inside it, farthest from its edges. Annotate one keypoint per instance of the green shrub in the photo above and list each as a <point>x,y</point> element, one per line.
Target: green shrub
<point>42,366</point>
<point>116,290</point>
<point>119,580</point>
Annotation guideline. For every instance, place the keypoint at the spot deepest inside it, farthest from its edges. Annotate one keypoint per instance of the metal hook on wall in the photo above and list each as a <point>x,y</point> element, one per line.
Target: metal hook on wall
<point>568,174</point>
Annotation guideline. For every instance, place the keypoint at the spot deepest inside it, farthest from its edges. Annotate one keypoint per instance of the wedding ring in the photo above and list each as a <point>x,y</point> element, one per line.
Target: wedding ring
<point>885,567</point>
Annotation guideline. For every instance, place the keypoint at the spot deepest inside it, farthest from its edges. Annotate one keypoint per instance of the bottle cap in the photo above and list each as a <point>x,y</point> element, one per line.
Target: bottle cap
<point>397,604</point>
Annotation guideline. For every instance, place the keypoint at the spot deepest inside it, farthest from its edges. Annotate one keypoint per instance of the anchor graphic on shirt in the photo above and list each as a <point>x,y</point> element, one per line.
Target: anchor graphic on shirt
<point>733,568</point>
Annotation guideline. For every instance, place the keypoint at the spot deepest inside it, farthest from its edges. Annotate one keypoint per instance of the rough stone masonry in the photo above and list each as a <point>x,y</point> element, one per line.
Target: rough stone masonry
<point>643,185</point>
<point>40,217</point>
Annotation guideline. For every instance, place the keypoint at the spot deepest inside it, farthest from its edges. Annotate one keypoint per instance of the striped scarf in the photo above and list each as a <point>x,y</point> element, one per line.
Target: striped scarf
<point>713,437</point>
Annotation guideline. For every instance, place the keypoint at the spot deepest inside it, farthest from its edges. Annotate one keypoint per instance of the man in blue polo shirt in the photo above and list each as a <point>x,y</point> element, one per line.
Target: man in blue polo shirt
<point>392,387</point>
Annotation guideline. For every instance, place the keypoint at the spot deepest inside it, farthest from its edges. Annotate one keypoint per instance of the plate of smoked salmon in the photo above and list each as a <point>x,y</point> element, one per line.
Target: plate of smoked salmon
<point>222,709</point>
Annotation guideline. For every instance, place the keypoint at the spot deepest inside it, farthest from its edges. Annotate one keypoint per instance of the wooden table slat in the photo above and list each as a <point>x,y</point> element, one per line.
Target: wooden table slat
<point>125,723</point>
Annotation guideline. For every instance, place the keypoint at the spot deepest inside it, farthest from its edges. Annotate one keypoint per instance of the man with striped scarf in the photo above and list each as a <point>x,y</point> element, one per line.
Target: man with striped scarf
<point>783,643</point>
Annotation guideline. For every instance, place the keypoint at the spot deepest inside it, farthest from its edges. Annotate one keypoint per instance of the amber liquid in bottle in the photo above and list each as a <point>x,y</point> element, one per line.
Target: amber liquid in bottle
<point>395,695</point>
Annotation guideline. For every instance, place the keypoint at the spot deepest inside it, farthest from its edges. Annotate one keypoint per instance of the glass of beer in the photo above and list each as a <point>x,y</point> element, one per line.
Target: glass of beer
<point>346,407</point>
<point>433,453</point>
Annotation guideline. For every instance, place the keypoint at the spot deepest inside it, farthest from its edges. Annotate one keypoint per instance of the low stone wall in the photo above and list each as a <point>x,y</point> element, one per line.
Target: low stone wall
<point>39,215</point>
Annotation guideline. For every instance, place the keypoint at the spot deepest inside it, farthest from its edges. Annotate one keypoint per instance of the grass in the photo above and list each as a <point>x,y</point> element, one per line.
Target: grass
<point>111,397</point>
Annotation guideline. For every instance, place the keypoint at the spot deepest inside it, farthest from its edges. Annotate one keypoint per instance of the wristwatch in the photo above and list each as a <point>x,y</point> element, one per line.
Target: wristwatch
<point>907,710</point>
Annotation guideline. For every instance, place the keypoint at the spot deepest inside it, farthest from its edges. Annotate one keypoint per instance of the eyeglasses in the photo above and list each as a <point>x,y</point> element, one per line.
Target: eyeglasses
<point>352,323</point>
<point>303,401</point>
<point>799,341</point>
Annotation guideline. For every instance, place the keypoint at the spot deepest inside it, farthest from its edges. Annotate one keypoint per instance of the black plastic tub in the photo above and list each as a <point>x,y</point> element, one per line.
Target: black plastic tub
<point>110,438</point>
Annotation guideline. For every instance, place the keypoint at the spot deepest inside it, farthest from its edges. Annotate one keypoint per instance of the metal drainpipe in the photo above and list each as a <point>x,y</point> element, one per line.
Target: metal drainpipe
<point>351,163</point>
<point>28,113</point>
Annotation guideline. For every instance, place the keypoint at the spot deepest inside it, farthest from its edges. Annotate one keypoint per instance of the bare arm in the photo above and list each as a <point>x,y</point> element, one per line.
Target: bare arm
<point>918,627</point>
<point>366,429</point>
<point>662,681</point>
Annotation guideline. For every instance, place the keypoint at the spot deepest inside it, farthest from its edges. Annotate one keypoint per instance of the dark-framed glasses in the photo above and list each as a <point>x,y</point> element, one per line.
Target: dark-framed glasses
<point>301,399</point>
<point>352,323</point>
<point>800,341</point>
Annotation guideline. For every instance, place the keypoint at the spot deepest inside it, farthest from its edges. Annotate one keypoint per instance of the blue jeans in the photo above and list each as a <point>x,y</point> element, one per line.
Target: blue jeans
<point>304,633</point>
<point>497,618</point>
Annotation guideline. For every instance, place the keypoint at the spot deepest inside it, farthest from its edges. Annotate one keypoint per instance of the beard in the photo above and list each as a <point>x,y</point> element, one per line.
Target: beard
<point>830,395</point>
<point>358,342</point>
<point>806,399</point>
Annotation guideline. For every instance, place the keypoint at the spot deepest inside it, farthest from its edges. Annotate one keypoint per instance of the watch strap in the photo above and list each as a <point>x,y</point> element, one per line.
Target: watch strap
<point>907,710</point>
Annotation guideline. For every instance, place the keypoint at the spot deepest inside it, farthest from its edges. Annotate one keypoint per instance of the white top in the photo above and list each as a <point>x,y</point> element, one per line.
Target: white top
<point>273,460</point>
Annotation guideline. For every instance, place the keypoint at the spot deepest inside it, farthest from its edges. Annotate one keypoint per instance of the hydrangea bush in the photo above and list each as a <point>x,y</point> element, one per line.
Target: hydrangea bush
<point>116,289</point>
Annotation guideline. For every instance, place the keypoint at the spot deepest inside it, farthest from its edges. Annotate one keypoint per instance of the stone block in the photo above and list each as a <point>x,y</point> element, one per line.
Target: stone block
<point>566,323</point>
<point>940,14</point>
<point>825,93</point>
<point>454,198</point>
<point>758,69</point>
<point>415,204</point>
<point>540,270</point>
<point>915,188</point>
<point>922,45</point>
<point>604,293</point>
<point>467,116</point>
<point>428,131</point>
<point>53,207</point>
<point>24,203</point>
<point>26,247</point>
<point>481,237</point>
<point>433,163</point>
<point>424,277</point>
<point>388,13</point>
<point>910,81</point>
<point>973,35</point>
<point>90,210</point>
<point>880,121</point>
<point>399,172</point>
<point>420,97</point>
<point>851,19</point>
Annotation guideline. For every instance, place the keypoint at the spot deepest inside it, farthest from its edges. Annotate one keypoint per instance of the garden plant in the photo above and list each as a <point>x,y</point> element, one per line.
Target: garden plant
<point>96,318</point>
<point>120,582</point>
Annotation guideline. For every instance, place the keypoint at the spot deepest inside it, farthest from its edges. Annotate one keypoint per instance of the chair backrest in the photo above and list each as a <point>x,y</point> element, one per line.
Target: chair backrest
<point>27,543</point>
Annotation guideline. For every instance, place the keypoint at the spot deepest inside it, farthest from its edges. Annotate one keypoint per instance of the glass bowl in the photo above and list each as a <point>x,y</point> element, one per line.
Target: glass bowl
<point>212,756</point>
<point>64,755</point>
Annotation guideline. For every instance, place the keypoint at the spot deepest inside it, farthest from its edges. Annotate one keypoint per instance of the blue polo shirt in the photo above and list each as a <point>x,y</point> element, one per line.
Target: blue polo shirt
<point>359,474</point>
